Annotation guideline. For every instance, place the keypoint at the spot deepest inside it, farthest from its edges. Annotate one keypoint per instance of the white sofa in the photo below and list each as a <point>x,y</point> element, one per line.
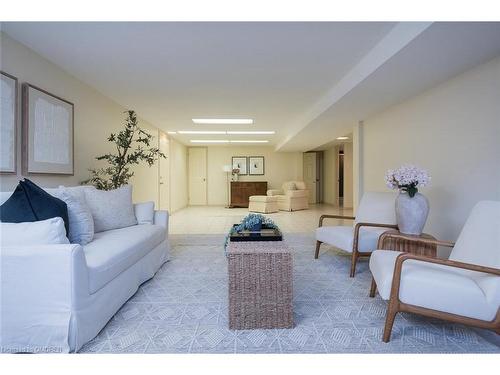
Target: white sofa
<point>58,297</point>
<point>292,196</point>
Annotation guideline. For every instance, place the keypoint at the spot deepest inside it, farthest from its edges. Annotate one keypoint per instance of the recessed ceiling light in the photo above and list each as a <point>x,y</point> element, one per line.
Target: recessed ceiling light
<point>342,138</point>
<point>251,132</point>
<point>225,132</point>
<point>172,132</point>
<point>236,121</point>
<point>200,132</point>
<point>227,141</point>
<point>209,141</point>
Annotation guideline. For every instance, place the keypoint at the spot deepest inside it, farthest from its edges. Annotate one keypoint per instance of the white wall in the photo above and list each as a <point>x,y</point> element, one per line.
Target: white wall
<point>279,167</point>
<point>96,116</point>
<point>178,176</point>
<point>453,131</point>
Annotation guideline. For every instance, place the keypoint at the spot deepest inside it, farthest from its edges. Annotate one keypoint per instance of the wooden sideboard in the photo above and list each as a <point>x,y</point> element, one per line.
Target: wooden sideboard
<point>242,190</point>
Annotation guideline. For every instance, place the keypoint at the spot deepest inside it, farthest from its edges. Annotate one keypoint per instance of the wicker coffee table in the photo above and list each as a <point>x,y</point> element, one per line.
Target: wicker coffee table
<point>260,285</point>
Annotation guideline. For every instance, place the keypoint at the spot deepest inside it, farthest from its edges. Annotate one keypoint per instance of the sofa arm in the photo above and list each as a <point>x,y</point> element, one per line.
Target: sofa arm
<point>161,218</point>
<point>273,192</point>
<point>38,288</point>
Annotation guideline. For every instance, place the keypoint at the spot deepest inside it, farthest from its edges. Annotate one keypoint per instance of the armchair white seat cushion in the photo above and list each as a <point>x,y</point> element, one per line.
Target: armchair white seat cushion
<point>435,286</point>
<point>342,237</point>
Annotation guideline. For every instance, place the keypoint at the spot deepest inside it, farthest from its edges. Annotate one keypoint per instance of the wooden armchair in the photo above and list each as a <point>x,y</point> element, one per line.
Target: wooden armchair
<point>463,289</point>
<point>376,213</point>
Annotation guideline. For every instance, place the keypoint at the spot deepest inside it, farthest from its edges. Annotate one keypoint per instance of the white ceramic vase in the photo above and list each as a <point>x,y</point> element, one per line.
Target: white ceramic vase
<point>411,213</point>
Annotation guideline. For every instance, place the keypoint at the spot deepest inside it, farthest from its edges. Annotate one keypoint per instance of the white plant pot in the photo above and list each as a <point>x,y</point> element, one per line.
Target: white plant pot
<point>411,213</point>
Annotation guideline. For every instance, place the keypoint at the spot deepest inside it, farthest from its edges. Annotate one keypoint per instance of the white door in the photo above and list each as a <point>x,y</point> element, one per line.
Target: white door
<point>164,173</point>
<point>197,166</point>
<point>310,175</point>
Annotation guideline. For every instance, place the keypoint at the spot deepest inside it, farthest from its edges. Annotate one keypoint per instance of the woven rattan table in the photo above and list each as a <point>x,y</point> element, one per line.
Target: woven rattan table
<point>260,285</point>
<point>394,240</point>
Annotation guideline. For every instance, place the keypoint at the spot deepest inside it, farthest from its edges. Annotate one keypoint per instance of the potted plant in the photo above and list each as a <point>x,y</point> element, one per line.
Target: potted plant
<point>133,146</point>
<point>412,208</point>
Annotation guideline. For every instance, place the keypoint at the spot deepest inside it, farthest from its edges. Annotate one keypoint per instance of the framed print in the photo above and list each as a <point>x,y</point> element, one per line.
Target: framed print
<point>256,165</point>
<point>240,162</point>
<point>8,123</point>
<point>47,132</point>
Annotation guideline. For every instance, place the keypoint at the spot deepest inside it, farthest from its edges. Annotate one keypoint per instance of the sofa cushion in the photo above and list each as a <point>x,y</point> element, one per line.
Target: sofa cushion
<point>435,286</point>
<point>145,212</point>
<point>300,185</point>
<point>44,232</point>
<point>111,209</point>
<point>81,223</point>
<point>290,185</point>
<point>113,251</point>
<point>342,237</point>
<point>29,203</point>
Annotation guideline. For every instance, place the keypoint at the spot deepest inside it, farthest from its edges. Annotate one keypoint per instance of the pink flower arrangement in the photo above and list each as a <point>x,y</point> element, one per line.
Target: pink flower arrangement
<point>406,178</point>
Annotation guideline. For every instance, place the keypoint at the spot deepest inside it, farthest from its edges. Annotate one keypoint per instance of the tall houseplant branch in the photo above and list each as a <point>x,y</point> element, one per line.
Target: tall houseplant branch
<point>133,146</point>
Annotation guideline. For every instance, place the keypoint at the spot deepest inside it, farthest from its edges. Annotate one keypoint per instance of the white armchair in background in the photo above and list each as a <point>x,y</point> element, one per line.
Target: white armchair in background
<point>464,288</point>
<point>293,196</point>
<point>376,212</point>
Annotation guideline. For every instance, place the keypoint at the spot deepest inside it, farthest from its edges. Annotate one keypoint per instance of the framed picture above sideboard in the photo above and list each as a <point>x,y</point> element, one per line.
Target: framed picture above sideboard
<point>240,163</point>
<point>256,165</point>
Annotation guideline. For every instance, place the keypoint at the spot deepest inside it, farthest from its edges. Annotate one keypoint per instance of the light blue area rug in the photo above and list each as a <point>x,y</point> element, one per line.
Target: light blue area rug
<point>183,309</point>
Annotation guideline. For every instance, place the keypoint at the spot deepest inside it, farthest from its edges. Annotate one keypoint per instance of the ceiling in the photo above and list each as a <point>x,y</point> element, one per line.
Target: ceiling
<point>307,82</point>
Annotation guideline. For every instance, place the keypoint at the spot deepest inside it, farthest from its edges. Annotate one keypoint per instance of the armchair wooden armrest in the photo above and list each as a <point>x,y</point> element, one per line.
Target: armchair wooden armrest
<point>322,217</point>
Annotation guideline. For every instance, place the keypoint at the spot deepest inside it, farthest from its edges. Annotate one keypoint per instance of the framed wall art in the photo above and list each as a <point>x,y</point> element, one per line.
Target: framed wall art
<point>48,127</point>
<point>240,162</point>
<point>8,123</point>
<point>256,165</point>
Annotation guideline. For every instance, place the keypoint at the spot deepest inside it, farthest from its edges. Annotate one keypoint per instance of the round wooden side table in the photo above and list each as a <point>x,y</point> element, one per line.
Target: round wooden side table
<point>394,240</point>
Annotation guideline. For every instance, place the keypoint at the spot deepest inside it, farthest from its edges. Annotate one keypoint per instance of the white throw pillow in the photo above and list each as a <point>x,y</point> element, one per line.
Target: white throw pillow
<point>145,212</point>
<point>81,223</point>
<point>111,209</point>
<point>44,232</point>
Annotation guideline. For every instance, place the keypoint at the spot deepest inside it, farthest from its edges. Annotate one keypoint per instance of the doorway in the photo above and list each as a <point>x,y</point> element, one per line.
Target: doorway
<point>164,173</point>
<point>313,175</point>
<point>340,179</point>
<point>344,175</point>
<point>197,176</point>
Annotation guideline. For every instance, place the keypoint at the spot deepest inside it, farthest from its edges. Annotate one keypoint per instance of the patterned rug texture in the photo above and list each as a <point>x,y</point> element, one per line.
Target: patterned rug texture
<point>183,309</point>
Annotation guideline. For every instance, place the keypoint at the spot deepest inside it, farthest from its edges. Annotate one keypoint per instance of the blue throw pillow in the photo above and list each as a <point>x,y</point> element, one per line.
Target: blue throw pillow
<point>30,202</point>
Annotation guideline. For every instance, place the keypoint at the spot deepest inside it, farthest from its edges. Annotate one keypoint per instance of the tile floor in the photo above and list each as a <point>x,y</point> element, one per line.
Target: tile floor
<point>217,219</point>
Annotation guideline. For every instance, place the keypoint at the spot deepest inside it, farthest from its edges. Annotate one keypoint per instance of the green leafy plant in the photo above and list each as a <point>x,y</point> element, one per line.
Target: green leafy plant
<point>133,146</point>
